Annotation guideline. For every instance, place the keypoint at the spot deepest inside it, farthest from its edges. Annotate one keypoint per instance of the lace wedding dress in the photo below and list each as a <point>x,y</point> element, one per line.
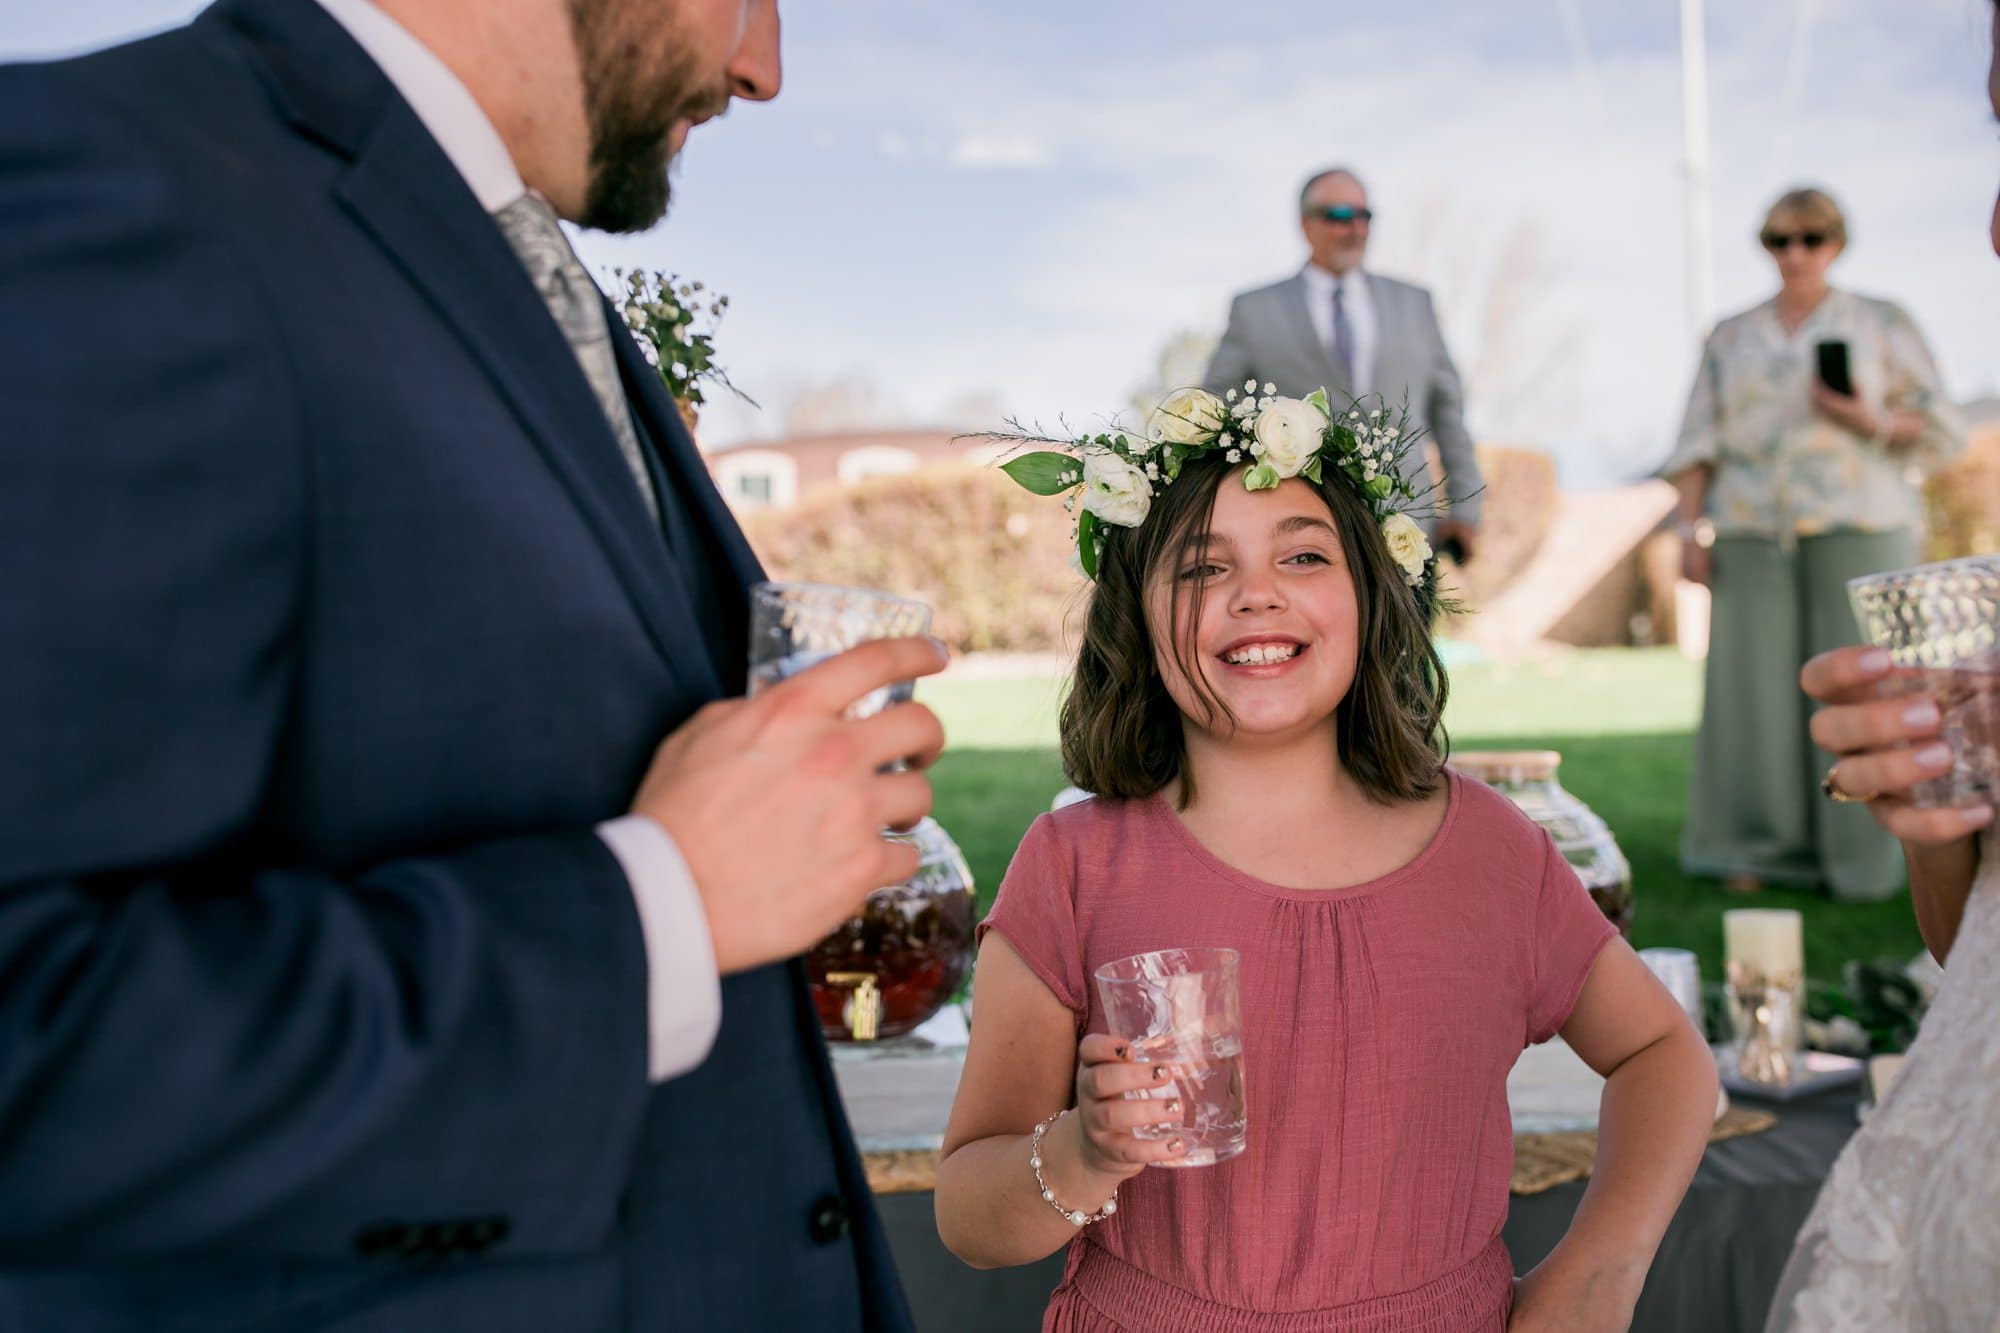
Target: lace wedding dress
<point>1906,1234</point>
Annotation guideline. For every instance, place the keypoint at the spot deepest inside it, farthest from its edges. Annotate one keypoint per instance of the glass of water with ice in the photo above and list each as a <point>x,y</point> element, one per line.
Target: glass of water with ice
<point>1182,1008</point>
<point>794,625</point>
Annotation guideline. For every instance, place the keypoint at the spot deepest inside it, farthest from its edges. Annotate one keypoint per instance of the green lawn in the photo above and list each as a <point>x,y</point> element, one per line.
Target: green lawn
<point>1621,718</point>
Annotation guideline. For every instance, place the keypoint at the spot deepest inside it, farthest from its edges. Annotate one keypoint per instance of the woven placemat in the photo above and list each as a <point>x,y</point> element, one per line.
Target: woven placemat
<point>1544,1161</point>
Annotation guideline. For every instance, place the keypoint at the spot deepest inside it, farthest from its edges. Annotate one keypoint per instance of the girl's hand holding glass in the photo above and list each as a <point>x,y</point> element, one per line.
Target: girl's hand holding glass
<point>1106,1116</point>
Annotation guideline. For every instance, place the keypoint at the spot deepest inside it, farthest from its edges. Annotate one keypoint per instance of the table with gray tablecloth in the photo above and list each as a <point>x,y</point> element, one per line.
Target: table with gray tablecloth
<point>1715,1272</point>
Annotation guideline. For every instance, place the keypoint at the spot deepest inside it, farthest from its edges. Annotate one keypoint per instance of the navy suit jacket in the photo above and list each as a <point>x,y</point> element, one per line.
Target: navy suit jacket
<point>330,624</point>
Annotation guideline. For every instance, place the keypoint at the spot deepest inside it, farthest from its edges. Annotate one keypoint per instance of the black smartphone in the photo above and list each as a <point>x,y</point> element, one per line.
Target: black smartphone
<point>1833,370</point>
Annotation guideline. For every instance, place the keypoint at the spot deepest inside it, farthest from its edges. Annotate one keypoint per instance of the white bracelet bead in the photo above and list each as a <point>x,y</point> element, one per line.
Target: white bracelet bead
<point>1076,1217</point>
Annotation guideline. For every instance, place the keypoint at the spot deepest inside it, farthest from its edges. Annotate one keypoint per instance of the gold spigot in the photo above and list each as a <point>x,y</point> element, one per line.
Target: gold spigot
<point>864,1008</point>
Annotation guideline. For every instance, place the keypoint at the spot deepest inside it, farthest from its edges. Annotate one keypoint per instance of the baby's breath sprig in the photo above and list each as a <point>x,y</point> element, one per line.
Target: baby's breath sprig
<point>661,311</point>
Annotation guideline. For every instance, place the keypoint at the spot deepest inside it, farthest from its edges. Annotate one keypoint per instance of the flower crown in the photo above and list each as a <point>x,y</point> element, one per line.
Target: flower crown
<point>1117,473</point>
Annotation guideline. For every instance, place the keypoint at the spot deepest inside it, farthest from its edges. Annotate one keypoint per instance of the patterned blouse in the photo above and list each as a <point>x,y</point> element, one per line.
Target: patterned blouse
<point>1781,469</point>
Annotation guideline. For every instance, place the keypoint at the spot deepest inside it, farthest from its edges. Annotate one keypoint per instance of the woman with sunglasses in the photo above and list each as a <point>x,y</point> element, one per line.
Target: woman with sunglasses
<point>1789,486</point>
<point>1906,1234</point>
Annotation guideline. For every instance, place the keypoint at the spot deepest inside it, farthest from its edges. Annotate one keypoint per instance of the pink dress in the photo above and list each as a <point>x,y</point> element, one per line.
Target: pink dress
<point>1380,1022</point>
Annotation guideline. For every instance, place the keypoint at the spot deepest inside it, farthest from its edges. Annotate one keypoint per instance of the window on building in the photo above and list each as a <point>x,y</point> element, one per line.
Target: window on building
<point>874,460</point>
<point>756,478</point>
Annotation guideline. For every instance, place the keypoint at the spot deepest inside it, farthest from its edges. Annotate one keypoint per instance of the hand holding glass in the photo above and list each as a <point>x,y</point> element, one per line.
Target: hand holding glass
<point>1941,626</point>
<point>1181,1009</point>
<point>794,626</point>
<point>777,803</point>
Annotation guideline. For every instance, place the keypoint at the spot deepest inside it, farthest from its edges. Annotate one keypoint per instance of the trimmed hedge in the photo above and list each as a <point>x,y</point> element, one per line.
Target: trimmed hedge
<point>991,559</point>
<point>1964,501</point>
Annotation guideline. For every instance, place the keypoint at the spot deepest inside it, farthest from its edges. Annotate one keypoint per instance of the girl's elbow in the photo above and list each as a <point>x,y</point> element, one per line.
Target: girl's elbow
<point>955,1230</point>
<point>964,1246</point>
<point>1704,1080</point>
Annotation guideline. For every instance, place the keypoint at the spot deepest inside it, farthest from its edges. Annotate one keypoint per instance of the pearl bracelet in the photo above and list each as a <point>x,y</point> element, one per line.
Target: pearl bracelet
<point>1076,1217</point>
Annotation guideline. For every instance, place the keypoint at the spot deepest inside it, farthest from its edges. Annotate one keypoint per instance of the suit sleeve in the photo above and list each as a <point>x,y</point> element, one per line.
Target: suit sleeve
<point>1462,479</point>
<point>1231,363</point>
<point>204,1045</point>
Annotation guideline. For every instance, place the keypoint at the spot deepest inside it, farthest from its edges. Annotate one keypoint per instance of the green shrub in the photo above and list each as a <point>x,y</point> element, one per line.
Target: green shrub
<point>991,559</point>
<point>1964,501</point>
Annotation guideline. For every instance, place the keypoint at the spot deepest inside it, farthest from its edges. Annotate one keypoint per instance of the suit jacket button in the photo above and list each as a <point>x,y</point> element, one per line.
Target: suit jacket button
<point>382,1238</point>
<point>828,1222</point>
<point>486,1232</point>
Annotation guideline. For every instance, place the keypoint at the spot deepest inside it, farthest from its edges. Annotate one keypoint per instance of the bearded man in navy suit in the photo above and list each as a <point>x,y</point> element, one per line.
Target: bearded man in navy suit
<point>398,914</point>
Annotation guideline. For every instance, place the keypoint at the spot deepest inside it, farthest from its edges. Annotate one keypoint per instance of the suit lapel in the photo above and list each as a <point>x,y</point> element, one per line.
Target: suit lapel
<point>1292,297</point>
<point>681,477</point>
<point>453,253</point>
<point>404,192</point>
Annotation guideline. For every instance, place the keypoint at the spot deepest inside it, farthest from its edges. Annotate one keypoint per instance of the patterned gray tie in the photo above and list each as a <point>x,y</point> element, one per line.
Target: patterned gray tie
<point>1343,339</point>
<point>530,226</point>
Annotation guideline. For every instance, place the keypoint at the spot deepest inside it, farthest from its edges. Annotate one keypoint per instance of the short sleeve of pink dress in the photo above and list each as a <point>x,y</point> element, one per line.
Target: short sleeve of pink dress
<point>1380,1022</point>
<point>1571,930</point>
<point>1035,910</point>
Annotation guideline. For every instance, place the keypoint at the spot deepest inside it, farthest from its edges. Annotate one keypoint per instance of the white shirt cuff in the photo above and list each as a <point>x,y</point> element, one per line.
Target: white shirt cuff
<point>683,986</point>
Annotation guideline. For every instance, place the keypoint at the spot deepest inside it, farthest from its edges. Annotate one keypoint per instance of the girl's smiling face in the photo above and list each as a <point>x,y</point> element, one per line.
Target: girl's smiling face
<point>1263,608</point>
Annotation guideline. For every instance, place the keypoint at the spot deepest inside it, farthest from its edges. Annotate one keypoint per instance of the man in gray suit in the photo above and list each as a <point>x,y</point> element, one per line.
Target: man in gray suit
<point>1357,334</point>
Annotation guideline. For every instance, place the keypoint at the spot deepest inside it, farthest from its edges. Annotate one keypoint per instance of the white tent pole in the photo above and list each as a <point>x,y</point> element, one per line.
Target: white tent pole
<point>1694,133</point>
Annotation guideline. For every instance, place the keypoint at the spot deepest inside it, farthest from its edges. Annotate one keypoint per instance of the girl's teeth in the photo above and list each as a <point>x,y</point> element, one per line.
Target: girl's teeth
<point>1263,655</point>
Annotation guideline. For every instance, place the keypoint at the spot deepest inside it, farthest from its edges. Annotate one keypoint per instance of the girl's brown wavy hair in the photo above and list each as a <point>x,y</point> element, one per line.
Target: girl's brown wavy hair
<point>1122,732</point>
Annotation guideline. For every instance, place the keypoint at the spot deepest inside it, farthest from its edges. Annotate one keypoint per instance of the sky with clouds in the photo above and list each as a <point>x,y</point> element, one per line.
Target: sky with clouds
<point>1018,204</point>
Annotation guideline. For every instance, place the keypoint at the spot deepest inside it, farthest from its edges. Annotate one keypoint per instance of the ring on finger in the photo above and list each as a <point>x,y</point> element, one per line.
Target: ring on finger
<point>1832,790</point>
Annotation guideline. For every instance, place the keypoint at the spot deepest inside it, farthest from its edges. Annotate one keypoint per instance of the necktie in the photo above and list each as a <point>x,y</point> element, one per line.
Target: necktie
<point>1343,339</point>
<point>530,226</point>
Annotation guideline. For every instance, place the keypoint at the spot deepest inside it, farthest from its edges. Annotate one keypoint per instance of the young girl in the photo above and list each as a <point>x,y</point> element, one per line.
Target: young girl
<point>1257,704</point>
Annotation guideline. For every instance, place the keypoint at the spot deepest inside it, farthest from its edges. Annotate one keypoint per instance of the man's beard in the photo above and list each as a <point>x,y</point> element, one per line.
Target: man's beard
<point>639,78</point>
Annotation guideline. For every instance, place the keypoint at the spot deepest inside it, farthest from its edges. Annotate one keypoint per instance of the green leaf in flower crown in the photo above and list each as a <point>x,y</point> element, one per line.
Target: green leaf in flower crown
<point>1318,399</point>
<point>1380,487</point>
<point>1170,460</point>
<point>1311,471</point>
<point>1261,478</point>
<point>1045,472</point>
<point>1343,439</point>
<point>1086,543</point>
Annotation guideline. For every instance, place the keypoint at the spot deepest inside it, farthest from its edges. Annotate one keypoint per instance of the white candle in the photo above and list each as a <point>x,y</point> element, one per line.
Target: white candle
<point>1768,941</point>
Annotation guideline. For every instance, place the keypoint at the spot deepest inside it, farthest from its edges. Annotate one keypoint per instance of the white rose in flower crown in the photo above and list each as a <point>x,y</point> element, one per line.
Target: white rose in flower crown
<point>1115,491</point>
<point>1290,430</point>
<point>1189,415</point>
<point>1408,546</point>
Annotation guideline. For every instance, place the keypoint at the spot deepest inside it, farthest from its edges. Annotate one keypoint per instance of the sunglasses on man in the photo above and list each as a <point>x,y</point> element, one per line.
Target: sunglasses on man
<point>1777,242</point>
<point>1341,213</point>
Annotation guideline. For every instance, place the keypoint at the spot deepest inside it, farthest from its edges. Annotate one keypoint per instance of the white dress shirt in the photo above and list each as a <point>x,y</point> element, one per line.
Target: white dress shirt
<point>684,990</point>
<point>1360,306</point>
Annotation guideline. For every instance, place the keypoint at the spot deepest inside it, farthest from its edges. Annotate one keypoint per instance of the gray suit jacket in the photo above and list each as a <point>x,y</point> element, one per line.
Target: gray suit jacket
<point>1271,339</point>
